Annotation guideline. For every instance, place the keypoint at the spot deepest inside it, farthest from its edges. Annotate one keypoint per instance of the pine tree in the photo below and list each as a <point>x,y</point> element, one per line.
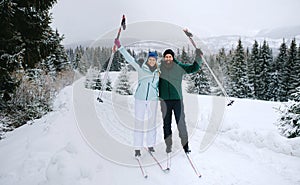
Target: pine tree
<point>198,83</point>
<point>223,61</point>
<point>252,69</point>
<point>116,63</point>
<point>184,57</point>
<point>283,73</point>
<point>230,72</point>
<point>294,69</point>
<point>12,50</point>
<point>108,84</point>
<point>97,84</point>
<point>57,61</point>
<point>238,74</point>
<point>31,57</point>
<point>210,83</point>
<point>79,51</point>
<point>122,85</point>
<point>289,122</point>
<point>262,74</point>
<point>32,20</point>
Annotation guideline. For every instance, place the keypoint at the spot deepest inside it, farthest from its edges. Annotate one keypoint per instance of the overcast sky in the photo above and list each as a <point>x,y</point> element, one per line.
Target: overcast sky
<point>81,20</point>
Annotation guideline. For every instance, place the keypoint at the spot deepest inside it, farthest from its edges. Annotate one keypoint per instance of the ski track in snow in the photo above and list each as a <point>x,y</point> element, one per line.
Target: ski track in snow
<point>247,151</point>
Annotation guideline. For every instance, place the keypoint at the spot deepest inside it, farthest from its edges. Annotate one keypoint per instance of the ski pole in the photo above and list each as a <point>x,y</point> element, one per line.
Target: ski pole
<point>190,35</point>
<point>123,25</point>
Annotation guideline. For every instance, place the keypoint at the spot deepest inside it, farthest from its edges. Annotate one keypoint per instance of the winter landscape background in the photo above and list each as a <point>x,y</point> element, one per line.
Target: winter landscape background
<point>53,56</point>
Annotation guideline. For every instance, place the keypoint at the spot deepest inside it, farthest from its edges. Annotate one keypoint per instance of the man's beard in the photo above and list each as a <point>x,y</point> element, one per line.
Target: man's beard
<point>168,65</point>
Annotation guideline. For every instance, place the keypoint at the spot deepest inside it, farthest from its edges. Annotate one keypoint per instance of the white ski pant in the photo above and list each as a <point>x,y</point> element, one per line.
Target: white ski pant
<point>145,112</point>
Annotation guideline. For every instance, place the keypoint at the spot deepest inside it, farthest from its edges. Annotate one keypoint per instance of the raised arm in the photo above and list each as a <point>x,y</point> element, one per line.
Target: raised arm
<point>127,55</point>
<point>191,68</point>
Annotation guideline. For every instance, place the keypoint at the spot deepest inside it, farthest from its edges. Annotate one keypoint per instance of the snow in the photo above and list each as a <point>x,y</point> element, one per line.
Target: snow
<point>236,145</point>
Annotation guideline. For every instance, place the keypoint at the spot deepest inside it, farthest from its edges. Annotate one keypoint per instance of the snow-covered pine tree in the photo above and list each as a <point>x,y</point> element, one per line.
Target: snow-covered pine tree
<point>252,68</point>
<point>93,79</point>
<point>221,60</point>
<point>84,63</point>
<point>289,122</point>
<point>71,57</point>
<point>276,77</point>
<point>116,63</point>
<point>27,43</point>
<point>97,83</point>
<point>89,78</point>
<point>198,83</point>
<point>238,73</point>
<point>281,62</point>
<point>57,61</point>
<point>184,57</point>
<point>96,58</point>
<point>294,66</point>
<point>12,50</point>
<point>229,72</point>
<point>262,73</point>
<point>122,86</point>
<point>108,84</point>
<point>78,52</point>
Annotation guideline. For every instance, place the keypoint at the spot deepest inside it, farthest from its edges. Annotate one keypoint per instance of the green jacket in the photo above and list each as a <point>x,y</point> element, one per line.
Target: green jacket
<point>170,80</point>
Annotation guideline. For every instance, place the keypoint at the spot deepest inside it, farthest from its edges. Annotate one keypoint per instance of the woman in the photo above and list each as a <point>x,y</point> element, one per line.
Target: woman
<point>146,98</point>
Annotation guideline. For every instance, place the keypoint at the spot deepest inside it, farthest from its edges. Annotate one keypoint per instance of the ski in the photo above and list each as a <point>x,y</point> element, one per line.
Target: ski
<point>156,161</point>
<point>193,165</point>
<point>144,173</point>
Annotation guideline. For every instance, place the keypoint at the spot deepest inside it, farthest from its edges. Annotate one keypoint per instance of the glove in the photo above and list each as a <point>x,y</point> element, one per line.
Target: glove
<point>198,52</point>
<point>117,43</point>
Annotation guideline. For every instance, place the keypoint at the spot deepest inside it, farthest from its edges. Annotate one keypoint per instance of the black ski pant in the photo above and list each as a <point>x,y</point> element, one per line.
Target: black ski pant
<point>176,106</point>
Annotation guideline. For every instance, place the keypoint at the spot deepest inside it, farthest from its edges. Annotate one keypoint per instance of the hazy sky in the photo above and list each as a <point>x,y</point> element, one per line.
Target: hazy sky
<point>82,20</point>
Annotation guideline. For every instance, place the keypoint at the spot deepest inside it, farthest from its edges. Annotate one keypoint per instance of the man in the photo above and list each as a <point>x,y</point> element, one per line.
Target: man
<point>170,93</point>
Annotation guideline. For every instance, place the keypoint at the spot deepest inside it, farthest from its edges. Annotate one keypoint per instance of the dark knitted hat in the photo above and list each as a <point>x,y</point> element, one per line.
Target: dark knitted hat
<point>169,51</point>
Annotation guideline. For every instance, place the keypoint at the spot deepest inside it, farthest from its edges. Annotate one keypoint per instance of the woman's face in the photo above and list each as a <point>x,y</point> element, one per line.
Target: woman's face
<point>151,61</point>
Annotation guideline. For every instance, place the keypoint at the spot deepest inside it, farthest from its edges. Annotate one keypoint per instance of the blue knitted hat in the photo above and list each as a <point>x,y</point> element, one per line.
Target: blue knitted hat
<point>152,54</point>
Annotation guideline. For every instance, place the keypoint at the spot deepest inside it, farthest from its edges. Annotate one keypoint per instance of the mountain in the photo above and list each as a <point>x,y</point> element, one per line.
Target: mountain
<point>280,32</point>
<point>214,44</point>
<point>158,36</point>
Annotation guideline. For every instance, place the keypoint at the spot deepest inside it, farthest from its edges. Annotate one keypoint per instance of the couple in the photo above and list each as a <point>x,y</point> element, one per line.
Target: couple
<point>163,82</point>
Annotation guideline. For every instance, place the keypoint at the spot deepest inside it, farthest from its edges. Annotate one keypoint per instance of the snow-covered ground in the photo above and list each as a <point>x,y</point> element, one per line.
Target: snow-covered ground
<point>84,142</point>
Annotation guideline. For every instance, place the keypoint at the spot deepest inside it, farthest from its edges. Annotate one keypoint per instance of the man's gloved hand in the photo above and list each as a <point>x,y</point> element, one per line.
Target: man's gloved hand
<point>198,52</point>
<point>117,43</point>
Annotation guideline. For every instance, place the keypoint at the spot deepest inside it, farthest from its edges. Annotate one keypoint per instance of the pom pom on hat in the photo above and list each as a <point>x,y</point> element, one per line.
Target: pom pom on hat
<point>152,54</point>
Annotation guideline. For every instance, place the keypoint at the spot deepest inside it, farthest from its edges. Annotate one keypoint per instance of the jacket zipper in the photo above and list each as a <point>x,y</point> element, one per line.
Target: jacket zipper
<point>147,91</point>
<point>153,78</point>
<point>169,86</point>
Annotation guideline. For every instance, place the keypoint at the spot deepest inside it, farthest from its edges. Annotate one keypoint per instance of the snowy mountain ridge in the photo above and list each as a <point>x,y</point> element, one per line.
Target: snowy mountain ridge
<point>171,35</point>
<point>214,44</point>
<point>210,45</point>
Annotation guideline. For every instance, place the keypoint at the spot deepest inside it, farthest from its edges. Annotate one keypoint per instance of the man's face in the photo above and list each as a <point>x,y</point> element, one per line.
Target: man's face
<point>168,58</point>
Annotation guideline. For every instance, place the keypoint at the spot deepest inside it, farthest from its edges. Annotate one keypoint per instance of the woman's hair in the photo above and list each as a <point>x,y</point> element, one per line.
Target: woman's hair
<point>140,61</point>
<point>156,65</point>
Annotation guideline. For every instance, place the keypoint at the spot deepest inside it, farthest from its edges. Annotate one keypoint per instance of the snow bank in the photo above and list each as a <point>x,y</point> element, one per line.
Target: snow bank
<point>247,150</point>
